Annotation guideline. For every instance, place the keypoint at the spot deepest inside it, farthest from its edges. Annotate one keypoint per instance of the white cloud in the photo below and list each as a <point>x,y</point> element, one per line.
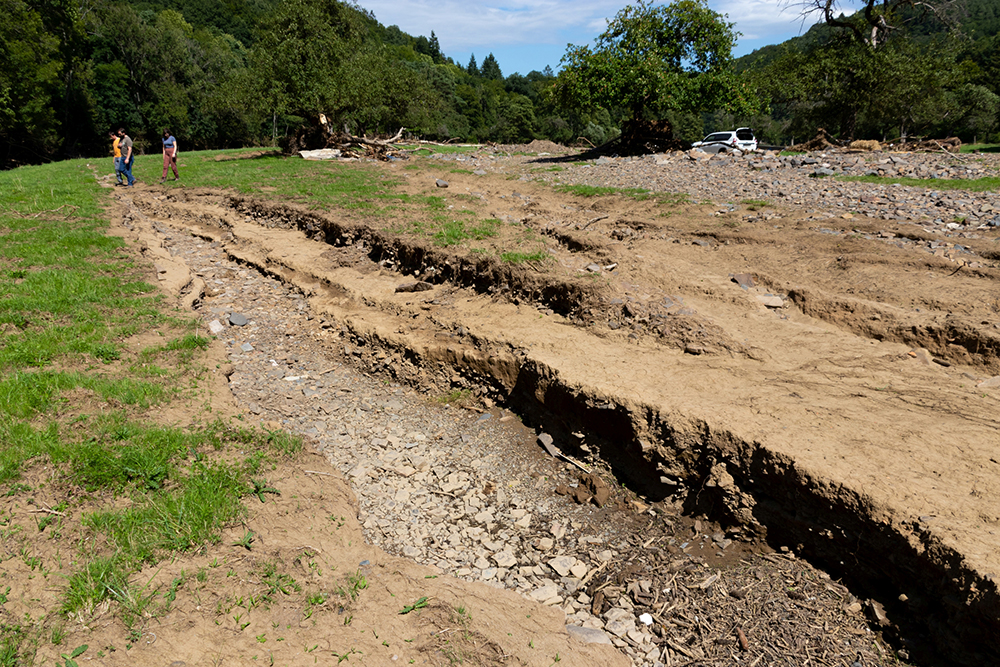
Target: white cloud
<point>757,19</point>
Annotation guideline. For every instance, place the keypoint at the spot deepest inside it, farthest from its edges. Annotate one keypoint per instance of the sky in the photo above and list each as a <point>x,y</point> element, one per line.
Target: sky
<point>526,35</point>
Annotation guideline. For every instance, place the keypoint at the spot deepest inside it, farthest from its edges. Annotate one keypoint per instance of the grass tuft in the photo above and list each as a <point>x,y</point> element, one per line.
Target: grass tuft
<point>970,184</point>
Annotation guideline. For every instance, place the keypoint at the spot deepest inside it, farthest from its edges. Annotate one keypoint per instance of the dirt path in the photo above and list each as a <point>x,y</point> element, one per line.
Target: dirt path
<point>792,407</point>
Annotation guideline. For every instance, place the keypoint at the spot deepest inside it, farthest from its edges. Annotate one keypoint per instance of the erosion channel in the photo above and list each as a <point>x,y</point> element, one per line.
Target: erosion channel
<point>817,385</point>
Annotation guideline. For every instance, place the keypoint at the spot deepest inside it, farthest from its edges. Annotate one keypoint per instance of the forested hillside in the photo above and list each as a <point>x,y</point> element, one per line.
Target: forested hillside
<point>217,75</point>
<point>936,74</point>
<point>241,72</point>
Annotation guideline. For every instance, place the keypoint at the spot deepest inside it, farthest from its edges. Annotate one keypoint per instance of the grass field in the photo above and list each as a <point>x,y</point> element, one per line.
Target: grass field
<point>113,489</point>
<point>363,192</point>
<point>981,148</point>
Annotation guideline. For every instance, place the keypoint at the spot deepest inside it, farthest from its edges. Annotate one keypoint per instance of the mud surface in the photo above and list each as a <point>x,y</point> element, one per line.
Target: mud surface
<point>816,379</point>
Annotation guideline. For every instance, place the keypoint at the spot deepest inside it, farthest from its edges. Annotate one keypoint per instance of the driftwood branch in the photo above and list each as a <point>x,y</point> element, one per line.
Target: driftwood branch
<point>365,141</point>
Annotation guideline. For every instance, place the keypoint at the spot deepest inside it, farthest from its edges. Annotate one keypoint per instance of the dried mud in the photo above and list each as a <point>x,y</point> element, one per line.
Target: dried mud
<point>843,418</point>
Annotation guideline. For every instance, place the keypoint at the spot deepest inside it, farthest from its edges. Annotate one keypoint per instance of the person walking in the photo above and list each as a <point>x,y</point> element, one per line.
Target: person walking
<point>125,145</point>
<point>117,155</point>
<point>169,156</point>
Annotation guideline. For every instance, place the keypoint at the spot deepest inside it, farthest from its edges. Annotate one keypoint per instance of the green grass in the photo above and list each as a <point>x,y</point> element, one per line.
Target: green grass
<point>525,257</point>
<point>456,231</point>
<point>972,184</point>
<point>320,185</point>
<point>65,287</point>
<point>982,148</point>
<point>458,396</point>
<point>755,204</point>
<point>364,190</point>
<point>70,296</point>
<point>440,149</point>
<point>601,191</point>
<point>639,194</point>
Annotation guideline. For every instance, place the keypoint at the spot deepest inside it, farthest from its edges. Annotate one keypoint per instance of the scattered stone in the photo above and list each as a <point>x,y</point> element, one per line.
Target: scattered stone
<point>546,592</point>
<point>545,440</point>
<point>504,559</point>
<point>419,286</point>
<point>441,183</point>
<point>588,635</point>
<point>562,565</point>
<point>621,626</point>
<point>238,320</point>
<point>597,487</point>
<point>770,300</point>
<point>215,327</point>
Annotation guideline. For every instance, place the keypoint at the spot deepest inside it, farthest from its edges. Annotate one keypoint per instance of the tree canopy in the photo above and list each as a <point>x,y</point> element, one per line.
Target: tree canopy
<point>658,58</point>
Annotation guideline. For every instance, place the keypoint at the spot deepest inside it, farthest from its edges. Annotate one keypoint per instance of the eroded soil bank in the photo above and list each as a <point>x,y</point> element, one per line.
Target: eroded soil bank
<point>818,385</point>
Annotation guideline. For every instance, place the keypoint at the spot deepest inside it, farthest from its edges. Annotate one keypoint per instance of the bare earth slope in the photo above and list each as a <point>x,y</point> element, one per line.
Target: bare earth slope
<point>815,379</point>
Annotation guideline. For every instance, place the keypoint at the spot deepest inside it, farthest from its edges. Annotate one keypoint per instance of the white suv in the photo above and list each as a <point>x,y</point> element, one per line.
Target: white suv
<point>720,142</point>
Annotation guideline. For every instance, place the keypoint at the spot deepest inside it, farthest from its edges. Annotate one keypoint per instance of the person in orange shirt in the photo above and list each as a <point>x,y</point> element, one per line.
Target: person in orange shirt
<point>118,156</point>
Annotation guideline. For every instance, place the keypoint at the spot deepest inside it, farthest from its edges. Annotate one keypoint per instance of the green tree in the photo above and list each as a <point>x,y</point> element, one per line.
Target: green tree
<point>515,120</point>
<point>905,87</point>
<point>31,67</point>
<point>317,57</point>
<point>657,59</point>
<point>490,69</point>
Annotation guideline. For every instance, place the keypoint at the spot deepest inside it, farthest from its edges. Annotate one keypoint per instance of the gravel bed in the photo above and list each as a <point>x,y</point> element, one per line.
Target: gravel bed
<point>799,181</point>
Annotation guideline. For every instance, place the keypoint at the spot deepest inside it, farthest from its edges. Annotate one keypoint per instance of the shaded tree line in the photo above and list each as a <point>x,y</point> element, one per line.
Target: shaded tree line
<point>244,72</point>
<point>224,73</point>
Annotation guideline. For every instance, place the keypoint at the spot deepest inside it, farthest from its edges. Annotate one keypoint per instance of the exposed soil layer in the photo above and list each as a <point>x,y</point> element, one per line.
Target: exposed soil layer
<point>822,390</point>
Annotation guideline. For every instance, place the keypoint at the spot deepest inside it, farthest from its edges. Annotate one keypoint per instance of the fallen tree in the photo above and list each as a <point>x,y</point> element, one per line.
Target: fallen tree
<point>922,145</point>
<point>322,135</point>
<point>821,141</point>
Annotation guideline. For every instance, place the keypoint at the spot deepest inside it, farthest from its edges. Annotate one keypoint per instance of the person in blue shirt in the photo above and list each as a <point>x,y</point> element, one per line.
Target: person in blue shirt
<point>169,156</point>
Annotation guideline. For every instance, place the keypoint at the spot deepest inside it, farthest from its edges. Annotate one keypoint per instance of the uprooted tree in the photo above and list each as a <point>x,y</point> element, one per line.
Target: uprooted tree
<point>655,59</point>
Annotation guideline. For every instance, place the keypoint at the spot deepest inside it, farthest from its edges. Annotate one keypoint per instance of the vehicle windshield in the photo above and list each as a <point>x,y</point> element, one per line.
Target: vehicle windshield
<point>744,135</point>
